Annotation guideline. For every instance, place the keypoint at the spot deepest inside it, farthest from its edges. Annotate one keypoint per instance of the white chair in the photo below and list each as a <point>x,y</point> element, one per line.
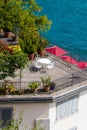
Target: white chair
<point>37,65</point>
<point>37,57</point>
<point>50,66</point>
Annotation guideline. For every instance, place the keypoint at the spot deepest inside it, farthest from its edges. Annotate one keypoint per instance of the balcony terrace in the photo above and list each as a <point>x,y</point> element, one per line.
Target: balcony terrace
<point>64,74</point>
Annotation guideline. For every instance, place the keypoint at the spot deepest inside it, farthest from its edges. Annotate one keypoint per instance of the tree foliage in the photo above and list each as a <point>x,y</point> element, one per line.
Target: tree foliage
<point>20,17</point>
<point>14,124</point>
<point>9,63</point>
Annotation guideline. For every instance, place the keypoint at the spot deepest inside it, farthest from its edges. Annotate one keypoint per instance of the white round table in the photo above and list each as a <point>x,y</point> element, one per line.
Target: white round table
<point>44,61</point>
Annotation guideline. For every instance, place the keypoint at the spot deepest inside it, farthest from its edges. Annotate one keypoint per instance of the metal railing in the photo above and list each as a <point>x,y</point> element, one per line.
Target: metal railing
<point>61,83</point>
<point>20,85</point>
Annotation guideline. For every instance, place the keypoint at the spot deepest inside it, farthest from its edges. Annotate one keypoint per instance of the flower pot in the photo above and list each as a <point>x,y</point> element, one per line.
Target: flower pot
<point>7,34</point>
<point>6,91</point>
<point>46,88</point>
<point>41,53</point>
<point>31,56</point>
<point>52,87</point>
<point>34,91</point>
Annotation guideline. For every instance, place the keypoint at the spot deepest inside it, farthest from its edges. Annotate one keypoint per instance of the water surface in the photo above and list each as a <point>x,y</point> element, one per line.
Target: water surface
<point>69,25</point>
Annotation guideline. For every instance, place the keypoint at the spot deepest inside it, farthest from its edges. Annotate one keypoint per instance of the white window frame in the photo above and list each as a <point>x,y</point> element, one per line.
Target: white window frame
<point>69,108</point>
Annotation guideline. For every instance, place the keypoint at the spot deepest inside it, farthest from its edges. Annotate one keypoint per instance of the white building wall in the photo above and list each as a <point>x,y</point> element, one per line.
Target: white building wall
<point>82,119</point>
<point>36,111</point>
<point>78,119</point>
<point>31,112</point>
<point>52,115</point>
<point>62,124</point>
<point>66,123</point>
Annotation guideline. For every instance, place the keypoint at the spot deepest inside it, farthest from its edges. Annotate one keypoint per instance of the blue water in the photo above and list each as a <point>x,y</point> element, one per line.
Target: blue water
<point>69,25</point>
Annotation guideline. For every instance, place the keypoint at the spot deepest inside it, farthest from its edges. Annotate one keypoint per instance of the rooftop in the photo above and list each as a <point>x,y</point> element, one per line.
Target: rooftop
<point>68,77</point>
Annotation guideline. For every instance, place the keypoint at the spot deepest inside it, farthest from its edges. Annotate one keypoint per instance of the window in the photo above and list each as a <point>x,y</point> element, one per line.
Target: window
<point>72,105</point>
<point>61,110</point>
<point>5,115</point>
<point>67,107</point>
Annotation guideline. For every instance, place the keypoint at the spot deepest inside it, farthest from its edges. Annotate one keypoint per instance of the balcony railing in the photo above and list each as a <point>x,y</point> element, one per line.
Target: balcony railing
<point>61,83</point>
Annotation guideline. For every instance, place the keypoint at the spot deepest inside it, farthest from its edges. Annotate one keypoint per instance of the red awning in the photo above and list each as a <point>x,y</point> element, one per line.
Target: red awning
<point>82,65</point>
<point>69,59</point>
<point>56,50</point>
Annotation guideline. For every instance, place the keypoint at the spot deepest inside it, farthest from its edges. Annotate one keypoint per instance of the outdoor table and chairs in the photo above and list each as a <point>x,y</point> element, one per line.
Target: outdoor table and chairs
<point>44,63</point>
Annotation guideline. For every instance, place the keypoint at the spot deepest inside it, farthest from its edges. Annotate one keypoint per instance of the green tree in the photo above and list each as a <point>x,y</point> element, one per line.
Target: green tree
<point>9,63</point>
<point>19,16</point>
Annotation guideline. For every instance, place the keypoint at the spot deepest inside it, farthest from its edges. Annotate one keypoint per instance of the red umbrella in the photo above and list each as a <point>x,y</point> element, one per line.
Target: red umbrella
<point>69,59</point>
<point>82,65</point>
<point>56,50</point>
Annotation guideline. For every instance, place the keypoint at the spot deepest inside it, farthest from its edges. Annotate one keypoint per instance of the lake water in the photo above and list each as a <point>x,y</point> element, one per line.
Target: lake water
<point>69,25</point>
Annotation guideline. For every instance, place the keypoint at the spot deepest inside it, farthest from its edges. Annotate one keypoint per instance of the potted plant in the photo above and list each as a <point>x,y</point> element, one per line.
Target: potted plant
<point>34,85</point>
<point>28,43</point>
<point>29,48</point>
<point>32,51</point>
<point>8,87</point>
<point>41,46</point>
<point>46,83</point>
<point>52,85</point>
